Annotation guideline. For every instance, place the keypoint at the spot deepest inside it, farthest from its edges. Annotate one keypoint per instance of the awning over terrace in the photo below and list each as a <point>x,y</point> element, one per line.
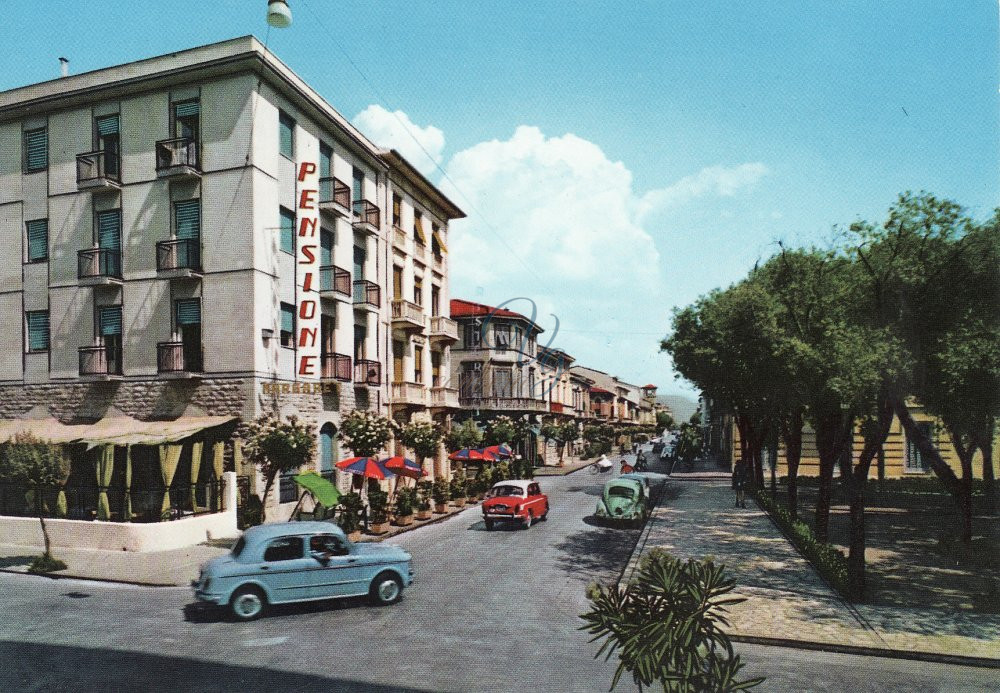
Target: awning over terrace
<point>112,430</point>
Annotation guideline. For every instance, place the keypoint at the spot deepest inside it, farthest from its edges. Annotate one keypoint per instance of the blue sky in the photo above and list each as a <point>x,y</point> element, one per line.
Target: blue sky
<point>617,159</point>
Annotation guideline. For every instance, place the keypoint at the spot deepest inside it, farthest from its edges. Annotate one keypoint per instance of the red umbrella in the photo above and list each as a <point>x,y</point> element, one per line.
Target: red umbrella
<point>466,454</point>
<point>499,452</point>
<point>488,454</point>
<point>365,466</point>
<point>403,467</point>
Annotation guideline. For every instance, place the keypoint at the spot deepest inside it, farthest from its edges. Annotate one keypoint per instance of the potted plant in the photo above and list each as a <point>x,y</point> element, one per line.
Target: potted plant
<point>458,490</point>
<point>440,493</point>
<point>350,516</point>
<point>378,511</point>
<point>424,495</point>
<point>405,500</point>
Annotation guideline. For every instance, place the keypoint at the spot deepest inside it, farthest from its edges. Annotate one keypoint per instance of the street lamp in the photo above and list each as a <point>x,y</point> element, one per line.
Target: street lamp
<point>278,14</point>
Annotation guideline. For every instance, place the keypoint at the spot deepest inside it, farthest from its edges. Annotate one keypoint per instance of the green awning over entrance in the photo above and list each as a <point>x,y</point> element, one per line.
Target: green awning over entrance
<point>325,493</point>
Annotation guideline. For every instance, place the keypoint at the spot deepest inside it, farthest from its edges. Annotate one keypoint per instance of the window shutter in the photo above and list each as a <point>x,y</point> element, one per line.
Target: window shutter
<point>418,228</point>
<point>110,320</point>
<point>326,239</point>
<point>109,229</point>
<point>36,145</point>
<point>287,319</point>
<point>188,311</point>
<point>287,231</point>
<point>325,161</point>
<point>187,109</point>
<point>38,330</point>
<point>285,135</point>
<point>188,219</point>
<point>38,239</point>
<point>359,184</point>
<point>108,125</point>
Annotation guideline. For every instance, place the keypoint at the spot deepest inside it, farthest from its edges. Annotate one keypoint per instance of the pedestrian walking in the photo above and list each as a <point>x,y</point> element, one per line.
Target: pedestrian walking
<point>739,481</point>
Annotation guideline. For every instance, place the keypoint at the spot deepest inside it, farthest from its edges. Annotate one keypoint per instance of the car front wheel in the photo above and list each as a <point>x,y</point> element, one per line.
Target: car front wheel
<point>386,589</point>
<point>247,603</point>
<point>489,525</point>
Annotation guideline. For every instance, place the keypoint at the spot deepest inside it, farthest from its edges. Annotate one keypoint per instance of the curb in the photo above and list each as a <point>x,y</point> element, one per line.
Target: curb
<point>67,576</point>
<point>371,539</point>
<point>961,660</point>
<point>572,471</point>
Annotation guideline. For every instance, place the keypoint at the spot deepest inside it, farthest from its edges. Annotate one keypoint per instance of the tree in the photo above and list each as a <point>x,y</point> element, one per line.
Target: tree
<point>277,447</point>
<point>560,434</point>
<point>38,467</point>
<point>667,626</point>
<point>466,435</point>
<point>664,420</point>
<point>499,430</point>
<point>423,437</point>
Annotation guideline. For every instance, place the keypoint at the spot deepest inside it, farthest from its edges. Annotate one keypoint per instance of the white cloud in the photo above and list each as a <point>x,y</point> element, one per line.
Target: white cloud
<point>717,181</point>
<point>395,130</point>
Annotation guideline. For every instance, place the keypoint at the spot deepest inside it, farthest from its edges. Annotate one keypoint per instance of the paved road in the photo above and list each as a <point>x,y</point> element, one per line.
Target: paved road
<point>489,612</point>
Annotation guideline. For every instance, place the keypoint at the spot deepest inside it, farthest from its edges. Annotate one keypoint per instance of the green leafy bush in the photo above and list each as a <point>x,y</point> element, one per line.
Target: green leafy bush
<point>252,513</point>
<point>441,492</point>
<point>350,517</point>
<point>423,437</point>
<point>378,506</point>
<point>45,564</point>
<point>406,499</point>
<point>666,626</point>
<point>466,435</point>
<point>424,494</point>
<point>458,483</point>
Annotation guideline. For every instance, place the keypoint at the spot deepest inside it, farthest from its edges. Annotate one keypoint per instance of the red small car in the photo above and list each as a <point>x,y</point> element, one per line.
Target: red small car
<point>515,500</point>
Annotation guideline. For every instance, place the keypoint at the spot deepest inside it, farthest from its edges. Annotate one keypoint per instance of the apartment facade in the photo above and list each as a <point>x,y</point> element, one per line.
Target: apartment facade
<point>159,265</point>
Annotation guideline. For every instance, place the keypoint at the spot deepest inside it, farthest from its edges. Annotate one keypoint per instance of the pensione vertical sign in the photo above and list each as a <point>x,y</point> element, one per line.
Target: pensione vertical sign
<point>307,354</point>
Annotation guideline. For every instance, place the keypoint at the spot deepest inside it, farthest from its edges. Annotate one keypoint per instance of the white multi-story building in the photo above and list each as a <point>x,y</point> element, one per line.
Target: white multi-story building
<point>155,267</point>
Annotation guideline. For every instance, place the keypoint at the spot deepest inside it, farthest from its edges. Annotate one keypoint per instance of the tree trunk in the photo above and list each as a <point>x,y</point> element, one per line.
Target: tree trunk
<point>45,530</point>
<point>267,492</point>
<point>989,482</point>
<point>881,469</point>
<point>791,430</point>
<point>965,453</point>
<point>831,436</point>
<point>927,449</point>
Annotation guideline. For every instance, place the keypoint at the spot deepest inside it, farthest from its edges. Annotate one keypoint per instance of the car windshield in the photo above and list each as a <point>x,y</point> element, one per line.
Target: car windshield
<point>621,491</point>
<point>238,547</point>
<point>506,491</point>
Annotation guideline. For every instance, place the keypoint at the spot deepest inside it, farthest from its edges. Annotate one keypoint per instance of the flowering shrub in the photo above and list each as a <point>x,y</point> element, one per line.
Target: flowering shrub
<point>277,447</point>
<point>500,429</point>
<point>423,437</point>
<point>365,432</point>
<point>465,436</point>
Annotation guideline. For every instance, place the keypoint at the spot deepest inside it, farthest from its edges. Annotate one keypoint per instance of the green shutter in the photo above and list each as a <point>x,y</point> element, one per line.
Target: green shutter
<point>187,219</point>
<point>107,125</point>
<point>38,330</point>
<point>359,184</point>
<point>109,229</point>
<point>325,161</point>
<point>110,320</point>
<point>186,109</point>
<point>286,142</point>
<point>287,231</point>
<point>188,311</point>
<point>38,239</point>
<point>36,146</point>
<point>287,318</point>
<point>325,248</point>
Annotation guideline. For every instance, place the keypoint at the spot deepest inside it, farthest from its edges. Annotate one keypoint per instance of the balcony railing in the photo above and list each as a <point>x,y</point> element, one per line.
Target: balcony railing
<point>444,397</point>
<point>336,366</point>
<point>95,263</point>
<point>366,293</point>
<point>409,393</point>
<point>100,360</point>
<point>407,314</point>
<point>443,328</point>
<point>98,169</point>
<point>504,403</point>
<point>173,357</point>
<point>177,156</point>
<point>334,194</point>
<point>333,278</point>
<point>178,254</point>
<point>367,372</point>
<point>367,213</point>
<point>556,407</point>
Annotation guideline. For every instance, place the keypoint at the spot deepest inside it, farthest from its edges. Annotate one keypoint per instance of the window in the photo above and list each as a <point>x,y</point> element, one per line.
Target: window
<point>38,240</point>
<point>287,325</point>
<point>285,548</point>
<point>418,290</point>
<point>503,382</point>
<point>36,150</point>
<point>38,330</point>
<point>435,369</point>
<point>501,333</point>
<point>185,116</point>
<point>325,161</point>
<point>471,379</point>
<point>360,340</point>
<point>915,461</point>
<point>397,282</point>
<point>435,243</point>
<point>287,231</point>
<point>418,229</point>
<point>358,191</point>
<point>106,134</point>
<point>398,348</point>
<point>473,335</point>
<point>397,216</point>
<point>187,317</point>
<point>187,219</point>
<point>286,135</point>
<point>418,364</point>
<point>435,300</point>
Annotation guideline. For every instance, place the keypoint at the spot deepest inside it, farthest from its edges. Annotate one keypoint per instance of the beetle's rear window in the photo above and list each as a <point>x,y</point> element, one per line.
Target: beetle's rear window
<point>622,491</point>
<point>238,547</point>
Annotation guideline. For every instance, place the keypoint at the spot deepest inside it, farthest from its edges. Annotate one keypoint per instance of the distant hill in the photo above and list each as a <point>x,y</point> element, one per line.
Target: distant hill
<point>682,407</point>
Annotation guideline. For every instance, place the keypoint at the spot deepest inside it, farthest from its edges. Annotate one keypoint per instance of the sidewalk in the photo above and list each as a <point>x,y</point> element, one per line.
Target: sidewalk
<point>786,599</point>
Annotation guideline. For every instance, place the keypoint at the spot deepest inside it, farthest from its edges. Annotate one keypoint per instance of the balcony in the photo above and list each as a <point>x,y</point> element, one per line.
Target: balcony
<point>556,407</point>
<point>98,171</point>
<point>335,367</point>
<point>334,282</point>
<point>504,403</point>
<point>179,257</point>
<point>99,266</point>
<point>443,329</point>
<point>367,295</point>
<point>173,360</point>
<point>413,394</point>
<point>367,372</point>
<point>178,158</point>
<point>366,217</point>
<point>100,362</point>
<point>407,315</point>
<point>438,262</point>
<point>399,238</point>
<point>334,196</point>
<point>445,397</point>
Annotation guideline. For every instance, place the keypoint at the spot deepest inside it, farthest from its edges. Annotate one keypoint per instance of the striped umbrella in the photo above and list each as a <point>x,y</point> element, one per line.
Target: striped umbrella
<point>488,454</point>
<point>499,452</point>
<point>466,454</point>
<point>403,467</point>
<point>368,467</point>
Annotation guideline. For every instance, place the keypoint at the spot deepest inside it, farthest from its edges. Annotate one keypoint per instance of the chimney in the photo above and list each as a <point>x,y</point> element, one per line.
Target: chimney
<point>64,66</point>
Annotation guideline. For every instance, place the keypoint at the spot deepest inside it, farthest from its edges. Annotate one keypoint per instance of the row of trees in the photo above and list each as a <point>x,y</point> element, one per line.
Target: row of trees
<point>842,337</point>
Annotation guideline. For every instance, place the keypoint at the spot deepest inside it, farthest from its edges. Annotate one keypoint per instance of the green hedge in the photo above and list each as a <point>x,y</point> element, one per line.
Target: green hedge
<point>828,561</point>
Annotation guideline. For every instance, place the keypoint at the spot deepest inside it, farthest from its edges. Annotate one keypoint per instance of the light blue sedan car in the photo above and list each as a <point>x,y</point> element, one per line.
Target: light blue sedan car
<point>298,562</point>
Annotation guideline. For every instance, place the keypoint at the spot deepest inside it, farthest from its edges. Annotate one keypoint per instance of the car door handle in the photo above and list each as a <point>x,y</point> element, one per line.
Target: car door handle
<point>351,560</point>
<point>265,567</point>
